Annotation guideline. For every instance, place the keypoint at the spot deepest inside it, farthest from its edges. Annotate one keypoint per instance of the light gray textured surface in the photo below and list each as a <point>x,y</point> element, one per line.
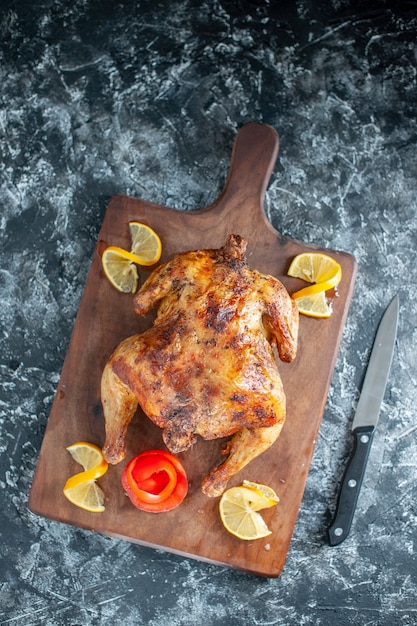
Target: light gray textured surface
<point>145,99</point>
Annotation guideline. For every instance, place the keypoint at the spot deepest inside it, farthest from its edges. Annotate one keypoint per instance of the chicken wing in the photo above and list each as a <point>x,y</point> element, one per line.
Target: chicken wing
<point>206,367</point>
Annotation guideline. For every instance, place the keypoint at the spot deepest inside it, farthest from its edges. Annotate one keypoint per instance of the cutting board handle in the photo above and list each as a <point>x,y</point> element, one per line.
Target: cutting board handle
<point>254,154</point>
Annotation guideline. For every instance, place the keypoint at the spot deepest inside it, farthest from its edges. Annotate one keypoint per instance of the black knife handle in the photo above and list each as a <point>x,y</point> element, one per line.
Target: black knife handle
<point>351,484</point>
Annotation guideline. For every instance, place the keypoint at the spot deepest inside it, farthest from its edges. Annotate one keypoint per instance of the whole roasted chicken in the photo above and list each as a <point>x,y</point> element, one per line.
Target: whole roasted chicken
<point>206,367</point>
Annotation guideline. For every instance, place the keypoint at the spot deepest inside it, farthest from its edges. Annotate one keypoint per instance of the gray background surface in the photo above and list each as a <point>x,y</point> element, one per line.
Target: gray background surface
<point>145,99</point>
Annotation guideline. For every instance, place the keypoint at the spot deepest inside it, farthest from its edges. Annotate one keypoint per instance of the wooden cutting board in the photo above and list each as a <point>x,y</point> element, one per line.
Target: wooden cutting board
<point>106,317</point>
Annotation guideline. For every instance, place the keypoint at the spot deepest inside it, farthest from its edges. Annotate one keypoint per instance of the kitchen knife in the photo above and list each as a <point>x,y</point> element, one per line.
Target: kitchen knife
<point>365,421</point>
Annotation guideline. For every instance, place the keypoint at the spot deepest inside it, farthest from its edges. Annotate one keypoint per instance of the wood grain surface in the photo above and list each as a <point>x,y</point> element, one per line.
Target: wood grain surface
<point>105,317</point>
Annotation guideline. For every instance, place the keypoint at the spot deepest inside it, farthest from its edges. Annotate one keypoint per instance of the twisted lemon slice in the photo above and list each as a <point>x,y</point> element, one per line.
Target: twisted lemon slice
<point>239,508</point>
<point>81,489</point>
<point>320,269</point>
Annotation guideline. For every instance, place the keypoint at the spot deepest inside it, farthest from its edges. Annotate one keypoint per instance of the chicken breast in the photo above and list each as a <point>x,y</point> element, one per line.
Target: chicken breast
<point>206,367</point>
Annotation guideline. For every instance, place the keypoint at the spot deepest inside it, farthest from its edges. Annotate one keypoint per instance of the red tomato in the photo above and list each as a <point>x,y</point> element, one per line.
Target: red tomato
<point>155,481</point>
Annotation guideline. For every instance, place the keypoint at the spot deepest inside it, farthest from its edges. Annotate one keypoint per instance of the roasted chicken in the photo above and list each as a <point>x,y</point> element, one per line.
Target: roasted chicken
<point>206,367</point>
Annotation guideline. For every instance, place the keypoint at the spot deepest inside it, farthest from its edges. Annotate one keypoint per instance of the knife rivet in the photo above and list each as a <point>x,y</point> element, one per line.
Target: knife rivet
<point>338,532</point>
<point>352,482</point>
<point>364,439</point>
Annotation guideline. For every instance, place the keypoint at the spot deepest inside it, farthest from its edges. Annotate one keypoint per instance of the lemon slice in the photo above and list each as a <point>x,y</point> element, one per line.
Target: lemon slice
<point>239,508</point>
<point>87,495</point>
<point>316,267</point>
<point>87,454</point>
<point>315,305</point>
<point>81,489</point>
<point>146,244</point>
<point>119,267</point>
<point>311,290</point>
<point>264,490</point>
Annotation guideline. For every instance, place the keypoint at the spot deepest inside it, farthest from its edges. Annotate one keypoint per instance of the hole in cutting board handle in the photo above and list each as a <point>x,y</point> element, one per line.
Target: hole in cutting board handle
<point>253,158</point>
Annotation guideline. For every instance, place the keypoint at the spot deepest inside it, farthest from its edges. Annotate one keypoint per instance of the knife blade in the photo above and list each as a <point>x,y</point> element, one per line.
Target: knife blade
<point>365,421</point>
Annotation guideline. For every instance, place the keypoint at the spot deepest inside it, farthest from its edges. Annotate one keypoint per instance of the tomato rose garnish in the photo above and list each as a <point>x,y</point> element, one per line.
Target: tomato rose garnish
<point>155,481</point>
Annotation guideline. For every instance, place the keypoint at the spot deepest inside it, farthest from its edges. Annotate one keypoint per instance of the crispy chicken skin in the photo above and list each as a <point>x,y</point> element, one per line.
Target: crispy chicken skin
<point>206,367</point>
